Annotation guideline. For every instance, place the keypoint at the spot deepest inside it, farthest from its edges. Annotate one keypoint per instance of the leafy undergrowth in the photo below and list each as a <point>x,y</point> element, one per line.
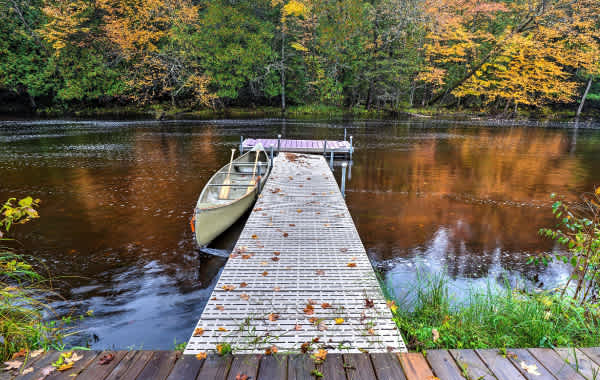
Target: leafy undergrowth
<point>25,295</point>
<point>493,318</point>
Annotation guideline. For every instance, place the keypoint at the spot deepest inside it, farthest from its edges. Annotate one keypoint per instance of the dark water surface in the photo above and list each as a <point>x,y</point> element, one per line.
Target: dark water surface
<point>117,199</point>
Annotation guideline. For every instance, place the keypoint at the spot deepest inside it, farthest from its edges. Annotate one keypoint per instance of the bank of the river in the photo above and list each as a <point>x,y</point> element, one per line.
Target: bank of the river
<point>167,111</point>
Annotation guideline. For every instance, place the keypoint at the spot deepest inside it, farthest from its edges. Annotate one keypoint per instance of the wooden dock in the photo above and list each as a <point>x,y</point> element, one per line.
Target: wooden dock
<point>515,364</point>
<point>301,146</point>
<point>299,278</point>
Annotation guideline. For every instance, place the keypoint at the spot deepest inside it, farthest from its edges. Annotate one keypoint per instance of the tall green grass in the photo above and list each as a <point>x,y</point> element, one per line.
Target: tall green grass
<point>495,317</point>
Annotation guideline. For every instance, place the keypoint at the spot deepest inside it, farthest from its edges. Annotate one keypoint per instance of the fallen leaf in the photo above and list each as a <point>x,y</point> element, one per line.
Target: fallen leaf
<point>277,253</point>
<point>271,350</point>
<point>322,326</point>
<point>19,354</point>
<point>339,321</point>
<point>109,357</point>
<point>201,355</point>
<point>198,331</point>
<point>292,225</point>
<point>265,273</point>
<point>228,288</point>
<point>15,364</point>
<point>273,317</point>
<point>66,366</point>
<point>258,209</point>
<point>220,307</point>
<point>47,371</point>
<point>264,263</point>
<point>320,354</point>
<point>27,370</point>
<point>325,305</point>
<point>223,329</point>
<point>299,210</point>
<point>245,297</point>
<point>313,320</point>
<point>351,265</point>
<point>285,234</point>
<point>392,305</point>
<point>369,303</point>
<point>319,272</point>
<point>305,347</point>
<point>309,309</point>
<point>36,353</point>
<point>297,327</point>
<point>254,237</point>
<point>73,358</point>
<point>532,369</point>
<point>246,257</point>
<point>312,302</point>
<point>276,289</point>
<point>435,334</point>
<point>241,376</point>
<point>275,258</point>
<point>213,299</point>
<point>371,331</point>
<point>243,285</point>
<point>326,224</point>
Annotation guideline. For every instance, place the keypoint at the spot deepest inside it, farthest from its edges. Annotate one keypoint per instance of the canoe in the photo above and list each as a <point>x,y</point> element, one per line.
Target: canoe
<point>221,204</point>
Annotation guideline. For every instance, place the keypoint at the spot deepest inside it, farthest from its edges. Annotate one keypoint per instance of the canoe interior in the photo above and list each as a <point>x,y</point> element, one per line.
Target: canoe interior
<point>240,177</point>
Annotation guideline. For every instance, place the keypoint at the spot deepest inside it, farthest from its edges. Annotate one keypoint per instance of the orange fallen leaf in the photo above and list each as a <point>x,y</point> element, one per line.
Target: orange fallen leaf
<point>292,225</point>
<point>198,331</point>
<point>243,285</point>
<point>220,307</point>
<point>228,288</point>
<point>371,331</point>
<point>276,253</point>
<point>265,273</point>
<point>245,297</point>
<point>273,317</point>
<point>351,265</point>
<point>254,237</point>
<point>201,355</point>
<point>241,376</point>
<point>320,272</point>
<point>320,354</point>
<point>246,257</point>
<point>223,329</point>
<point>297,327</point>
<point>271,350</point>
<point>309,309</point>
<point>313,319</point>
<point>258,209</point>
<point>369,303</point>
<point>264,263</point>
<point>325,305</point>
<point>275,258</point>
<point>285,234</point>
<point>276,289</point>
<point>299,210</point>
<point>305,347</point>
<point>213,299</point>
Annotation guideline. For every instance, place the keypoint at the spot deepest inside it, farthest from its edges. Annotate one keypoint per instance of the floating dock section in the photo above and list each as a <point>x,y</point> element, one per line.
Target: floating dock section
<point>301,146</point>
<point>299,278</point>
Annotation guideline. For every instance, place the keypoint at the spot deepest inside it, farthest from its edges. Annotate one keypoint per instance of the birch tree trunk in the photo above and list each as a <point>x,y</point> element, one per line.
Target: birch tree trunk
<point>585,94</point>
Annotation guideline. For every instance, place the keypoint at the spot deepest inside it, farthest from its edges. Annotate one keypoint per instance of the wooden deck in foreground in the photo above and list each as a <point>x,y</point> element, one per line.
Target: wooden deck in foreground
<point>517,364</point>
<point>299,274</point>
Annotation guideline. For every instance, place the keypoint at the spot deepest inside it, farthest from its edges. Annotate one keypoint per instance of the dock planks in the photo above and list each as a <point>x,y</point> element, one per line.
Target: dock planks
<point>440,364</point>
<point>299,275</point>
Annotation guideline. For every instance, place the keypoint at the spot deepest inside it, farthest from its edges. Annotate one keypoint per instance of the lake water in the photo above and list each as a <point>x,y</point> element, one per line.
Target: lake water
<point>426,196</point>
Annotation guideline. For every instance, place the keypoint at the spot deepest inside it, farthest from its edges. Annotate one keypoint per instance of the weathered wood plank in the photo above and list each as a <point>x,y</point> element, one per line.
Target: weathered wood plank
<point>187,367</point>
<point>415,366</point>
<point>468,361</point>
<point>78,366</point>
<point>592,353</point>
<point>523,360</point>
<point>159,366</point>
<point>500,366</point>
<point>555,364</point>
<point>443,365</point>
<point>358,367</point>
<point>387,366</point>
<point>29,362</point>
<point>580,362</point>
<point>244,365</point>
<point>215,367</point>
<point>39,365</point>
<point>95,370</point>
<point>130,366</point>
<point>333,367</point>
<point>300,367</point>
<point>273,367</point>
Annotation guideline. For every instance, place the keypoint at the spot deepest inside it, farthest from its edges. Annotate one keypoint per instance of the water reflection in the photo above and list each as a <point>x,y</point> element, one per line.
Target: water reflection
<point>117,198</point>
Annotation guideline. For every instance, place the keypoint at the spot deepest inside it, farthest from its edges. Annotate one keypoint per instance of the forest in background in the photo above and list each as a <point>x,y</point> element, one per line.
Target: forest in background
<point>496,56</point>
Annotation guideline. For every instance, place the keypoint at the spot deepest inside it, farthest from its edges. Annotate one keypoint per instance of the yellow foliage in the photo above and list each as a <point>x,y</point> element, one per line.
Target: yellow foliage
<point>294,8</point>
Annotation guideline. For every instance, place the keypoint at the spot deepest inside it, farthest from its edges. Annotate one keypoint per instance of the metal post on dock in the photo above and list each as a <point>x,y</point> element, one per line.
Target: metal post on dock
<point>351,147</point>
<point>344,165</point>
<point>278,143</point>
<point>331,159</point>
<point>345,130</point>
<point>324,147</point>
<point>271,155</point>
<point>241,144</point>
